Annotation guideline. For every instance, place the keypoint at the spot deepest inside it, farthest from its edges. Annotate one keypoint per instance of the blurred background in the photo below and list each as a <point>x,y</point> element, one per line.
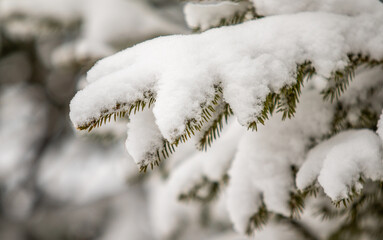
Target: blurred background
<point>54,183</point>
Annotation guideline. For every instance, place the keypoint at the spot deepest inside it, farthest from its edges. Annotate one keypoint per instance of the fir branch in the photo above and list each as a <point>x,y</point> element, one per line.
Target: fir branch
<point>205,191</point>
<point>286,100</point>
<point>153,159</point>
<point>191,126</point>
<point>366,207</point>
<point>340,79</point>
<point>296,204</point>
<point>365,109</point>
<point>258,220</point>
<point>237,18</point>
<point>196,125</point>
<point>212,132</point>
<point>289,96</point>
<point>338,82</point>
<point>311,190</point>
<point>367,117</point>
<point>328,213</point>
<point>352,194</point>
<point>120,110</point>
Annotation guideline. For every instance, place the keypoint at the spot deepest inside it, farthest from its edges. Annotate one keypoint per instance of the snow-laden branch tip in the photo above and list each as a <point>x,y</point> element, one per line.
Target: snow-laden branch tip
<point>261,176</point>
<point>342,163</point>
<point>182,72</point>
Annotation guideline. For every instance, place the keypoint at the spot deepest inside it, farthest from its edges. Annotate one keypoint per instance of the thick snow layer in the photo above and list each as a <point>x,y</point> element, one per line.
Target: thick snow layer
<point>339,162</point>
<point>261,171</point>
<point>182,70</point>
<point>204,16</point>
<point>144,139</point>
<point>347,7</point>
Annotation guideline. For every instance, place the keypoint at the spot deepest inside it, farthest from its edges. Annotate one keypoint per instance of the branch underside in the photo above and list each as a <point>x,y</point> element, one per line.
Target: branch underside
<point>285,101</point>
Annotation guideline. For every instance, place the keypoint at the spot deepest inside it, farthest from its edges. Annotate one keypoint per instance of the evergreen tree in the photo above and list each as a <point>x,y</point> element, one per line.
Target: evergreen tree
<point>283,106</point>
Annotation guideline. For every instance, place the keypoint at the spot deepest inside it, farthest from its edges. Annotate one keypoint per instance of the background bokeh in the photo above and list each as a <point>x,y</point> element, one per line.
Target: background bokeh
<point>54,183</point>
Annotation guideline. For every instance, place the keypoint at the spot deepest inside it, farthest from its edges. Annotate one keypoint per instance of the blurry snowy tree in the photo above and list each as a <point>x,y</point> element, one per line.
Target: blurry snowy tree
<point>271,126</point>
<point>304,78</point>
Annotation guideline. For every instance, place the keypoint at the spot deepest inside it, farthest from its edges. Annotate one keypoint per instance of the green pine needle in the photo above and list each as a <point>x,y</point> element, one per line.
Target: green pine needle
<point>205,191</point>
<point>120,110</point>
<point>216,125</point>
<point>340,79</point>
<point>287,99</point>
<point>258,220</point>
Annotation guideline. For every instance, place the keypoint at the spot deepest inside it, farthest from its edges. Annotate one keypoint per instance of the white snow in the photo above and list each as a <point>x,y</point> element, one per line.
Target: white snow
<point>248,61</point>
<point>346,7</point>
<point>262,165</point>
<point>212,164</point>
<point>203,16</point>
<point>340,161</point>
<point>182,70</point>
<point>144,138</point>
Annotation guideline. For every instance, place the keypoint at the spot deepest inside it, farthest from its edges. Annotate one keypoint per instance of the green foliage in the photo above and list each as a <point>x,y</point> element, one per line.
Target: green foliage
<point>340,79</point>
<point>338,82</point>
<point>258,220</point>
<point>213,111</point>
<point>154,159</point>
<point>121,109</point>
<point>237,18</point>
<point>312,190</point>
<point>367,207</point>
<point>205,191</point>
<point>216,124</point>
<point>286,100</point>
<point>366,113</point>
<point>296,204</point>
<point>352,194</point>
<point>208,109</point>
